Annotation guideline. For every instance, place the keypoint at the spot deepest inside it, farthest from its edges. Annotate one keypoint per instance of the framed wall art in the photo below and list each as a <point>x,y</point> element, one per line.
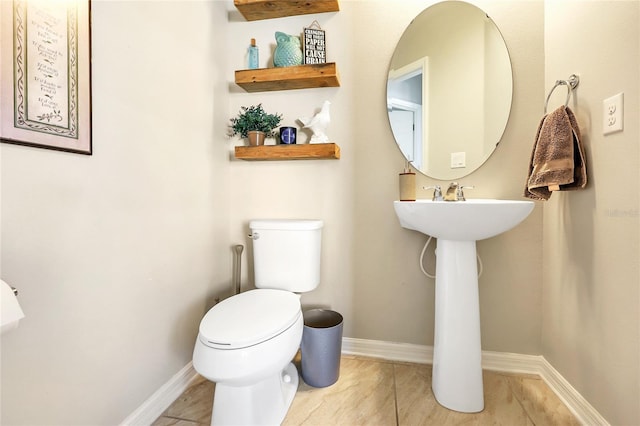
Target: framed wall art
<point>45,90</point>
<point>315,49</point>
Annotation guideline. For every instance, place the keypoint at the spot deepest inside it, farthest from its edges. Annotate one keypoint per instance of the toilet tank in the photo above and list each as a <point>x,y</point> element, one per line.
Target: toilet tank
<point>286,254</point>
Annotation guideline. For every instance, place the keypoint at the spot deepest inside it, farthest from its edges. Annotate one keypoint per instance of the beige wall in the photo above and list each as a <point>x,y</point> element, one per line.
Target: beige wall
<point>591,297</point>
<point>118,255</point>
<point>370,266</point>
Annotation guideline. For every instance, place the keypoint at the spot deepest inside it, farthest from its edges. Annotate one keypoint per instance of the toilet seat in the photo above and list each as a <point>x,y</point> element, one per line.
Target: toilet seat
<point>249,318</point>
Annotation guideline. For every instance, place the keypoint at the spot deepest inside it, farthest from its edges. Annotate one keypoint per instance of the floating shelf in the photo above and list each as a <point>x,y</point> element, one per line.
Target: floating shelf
<point>319,151</point>
<point>288,78</point>
<point>254,10</point>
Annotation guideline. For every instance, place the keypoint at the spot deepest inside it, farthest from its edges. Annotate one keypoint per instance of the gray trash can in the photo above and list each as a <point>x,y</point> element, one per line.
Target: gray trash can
<point>321,347</point>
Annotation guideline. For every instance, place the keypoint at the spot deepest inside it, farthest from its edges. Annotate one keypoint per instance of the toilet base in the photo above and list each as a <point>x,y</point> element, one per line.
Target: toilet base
<point>263,403</point>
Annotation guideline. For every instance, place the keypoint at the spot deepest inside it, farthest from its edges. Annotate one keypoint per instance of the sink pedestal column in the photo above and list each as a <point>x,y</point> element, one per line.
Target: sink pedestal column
<point>457,355</point>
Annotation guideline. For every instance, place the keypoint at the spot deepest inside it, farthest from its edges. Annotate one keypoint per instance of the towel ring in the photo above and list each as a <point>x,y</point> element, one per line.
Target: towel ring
<point>571,84</point>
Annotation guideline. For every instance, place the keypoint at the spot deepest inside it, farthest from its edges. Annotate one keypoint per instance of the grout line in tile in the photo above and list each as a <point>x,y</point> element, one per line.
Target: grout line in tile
<point>164,416</point>
<point>175,418</point>
<point>395,395</point>
<point>518,400</point>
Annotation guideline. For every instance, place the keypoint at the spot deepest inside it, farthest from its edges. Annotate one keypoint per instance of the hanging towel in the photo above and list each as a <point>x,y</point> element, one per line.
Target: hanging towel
<point>557,160</point>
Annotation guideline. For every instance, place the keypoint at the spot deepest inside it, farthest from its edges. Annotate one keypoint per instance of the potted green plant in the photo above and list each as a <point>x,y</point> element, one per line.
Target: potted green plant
<point>254,123</point>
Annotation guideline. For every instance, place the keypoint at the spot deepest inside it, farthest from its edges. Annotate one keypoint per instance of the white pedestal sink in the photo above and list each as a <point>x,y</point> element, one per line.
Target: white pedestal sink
<point>457,354</point>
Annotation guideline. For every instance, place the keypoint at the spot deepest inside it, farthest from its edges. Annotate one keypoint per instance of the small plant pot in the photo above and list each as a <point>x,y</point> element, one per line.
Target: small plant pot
<point>256,137</point>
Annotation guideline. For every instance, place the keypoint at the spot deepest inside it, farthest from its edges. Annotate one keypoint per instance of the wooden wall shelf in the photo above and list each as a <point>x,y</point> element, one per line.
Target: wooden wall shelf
<point>288,78</point>
<point>254,10</point>
<point>319,151</point>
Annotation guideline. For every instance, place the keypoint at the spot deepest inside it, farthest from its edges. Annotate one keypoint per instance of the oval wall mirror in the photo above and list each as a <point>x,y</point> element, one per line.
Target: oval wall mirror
<point>449,90</point>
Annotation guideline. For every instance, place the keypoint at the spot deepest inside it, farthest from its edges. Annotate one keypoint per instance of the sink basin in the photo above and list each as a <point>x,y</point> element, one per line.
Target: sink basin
<point>457,354</point>
<point>471,220</point>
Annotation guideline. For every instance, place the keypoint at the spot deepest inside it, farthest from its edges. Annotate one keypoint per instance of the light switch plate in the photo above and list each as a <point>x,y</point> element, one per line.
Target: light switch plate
<point>458,160</point>
<point>613,114</point>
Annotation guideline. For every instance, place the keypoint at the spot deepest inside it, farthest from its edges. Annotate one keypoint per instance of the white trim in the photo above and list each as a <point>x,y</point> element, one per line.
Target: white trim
<point>579,406</point>
<point>406,352</point>
<point>512,363</point>
<point>415,68</point>
<point>161,399</point>
<point>497,361</point>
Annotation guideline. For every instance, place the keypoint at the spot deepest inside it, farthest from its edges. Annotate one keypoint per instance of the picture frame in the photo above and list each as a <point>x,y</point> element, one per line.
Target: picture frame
<point>45,74</point>
<point>315,48</point>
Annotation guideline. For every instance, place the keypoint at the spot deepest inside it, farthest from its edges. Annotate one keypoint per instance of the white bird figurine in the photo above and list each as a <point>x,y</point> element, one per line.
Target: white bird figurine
<point>318,124</point>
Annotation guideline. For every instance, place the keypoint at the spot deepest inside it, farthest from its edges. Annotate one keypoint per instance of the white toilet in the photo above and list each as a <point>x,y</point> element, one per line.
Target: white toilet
<point>246,342</point>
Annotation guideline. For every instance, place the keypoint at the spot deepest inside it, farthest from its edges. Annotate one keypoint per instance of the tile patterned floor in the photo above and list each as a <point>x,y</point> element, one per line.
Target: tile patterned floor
<point>378,392</point>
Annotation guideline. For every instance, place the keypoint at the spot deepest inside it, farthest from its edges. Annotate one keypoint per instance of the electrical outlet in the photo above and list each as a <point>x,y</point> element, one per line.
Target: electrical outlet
<point>613,114</point>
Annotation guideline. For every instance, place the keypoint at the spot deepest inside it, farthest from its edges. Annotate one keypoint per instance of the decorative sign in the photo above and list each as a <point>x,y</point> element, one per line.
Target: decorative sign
<point>315,49</point>
<point>47,102</point>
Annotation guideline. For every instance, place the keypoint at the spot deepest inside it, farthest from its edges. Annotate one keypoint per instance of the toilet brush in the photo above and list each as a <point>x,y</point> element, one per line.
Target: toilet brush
<point>238,261</point>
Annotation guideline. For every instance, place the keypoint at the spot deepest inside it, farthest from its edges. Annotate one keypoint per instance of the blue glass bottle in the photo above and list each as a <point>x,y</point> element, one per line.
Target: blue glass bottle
<point>253,55</point>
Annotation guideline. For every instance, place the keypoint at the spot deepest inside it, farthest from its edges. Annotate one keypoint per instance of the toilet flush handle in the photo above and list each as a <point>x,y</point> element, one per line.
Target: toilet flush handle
<point>254,236</point>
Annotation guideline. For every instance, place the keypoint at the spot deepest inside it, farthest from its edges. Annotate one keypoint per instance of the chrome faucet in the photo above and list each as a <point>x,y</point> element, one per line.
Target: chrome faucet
<point>454,192</point>
<point>437,192</point>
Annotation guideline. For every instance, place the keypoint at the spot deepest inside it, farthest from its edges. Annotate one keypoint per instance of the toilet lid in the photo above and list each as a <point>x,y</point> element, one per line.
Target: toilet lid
<point>249,318</point>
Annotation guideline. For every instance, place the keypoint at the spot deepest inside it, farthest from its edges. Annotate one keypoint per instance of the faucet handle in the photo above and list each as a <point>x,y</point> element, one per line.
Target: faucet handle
<point>437,192</point>
<point>461,194</point>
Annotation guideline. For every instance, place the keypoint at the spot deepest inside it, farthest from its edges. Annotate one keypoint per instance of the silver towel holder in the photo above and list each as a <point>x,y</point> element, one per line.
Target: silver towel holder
<point>571,84</point>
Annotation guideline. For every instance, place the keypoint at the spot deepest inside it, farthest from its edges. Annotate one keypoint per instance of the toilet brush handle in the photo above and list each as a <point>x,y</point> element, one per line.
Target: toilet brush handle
<point>238,261</point>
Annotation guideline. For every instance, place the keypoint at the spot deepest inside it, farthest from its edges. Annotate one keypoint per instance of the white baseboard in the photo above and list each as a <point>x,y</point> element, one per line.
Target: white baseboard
<point>584,412</point>
<point>391,351</point>
<point>496,361</point>
<point>161,399</point>
<point>153,407</point>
